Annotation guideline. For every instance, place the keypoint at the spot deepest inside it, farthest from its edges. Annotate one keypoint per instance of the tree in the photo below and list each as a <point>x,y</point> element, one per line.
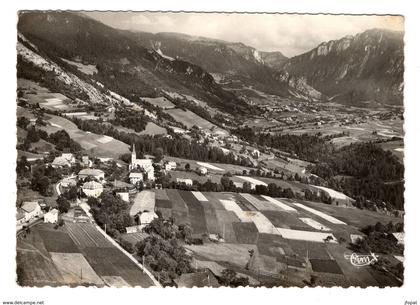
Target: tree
<point>63,204</point>
<point>22,122</point>
<point>158,154</point>
<point>187,167</point>
<point>71,193</point>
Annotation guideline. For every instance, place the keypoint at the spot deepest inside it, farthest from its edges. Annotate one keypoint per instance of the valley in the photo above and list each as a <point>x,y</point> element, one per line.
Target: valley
<point>234,160</point>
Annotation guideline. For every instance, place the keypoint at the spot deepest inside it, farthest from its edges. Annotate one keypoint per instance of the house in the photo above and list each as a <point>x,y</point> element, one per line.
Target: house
<point>256,153</point>
<point>135,178</point>
<point>85,161</point>
<point>145,164</point>
<point>202,171</point>
<point>68,182</point>
<point>69,157</point>
<point>197,279</point>
<point>399,237</point>
<point>51,216</point>
<point>59,162</point>
<point>65,159</point>
<point>20,216</point>
<point>92,189</point>
<point>31,209</point>
<point>170,165</point>
<point>124,196</point>
<point>97,174</point>
<point>147,217</point>
<point>184,181</point>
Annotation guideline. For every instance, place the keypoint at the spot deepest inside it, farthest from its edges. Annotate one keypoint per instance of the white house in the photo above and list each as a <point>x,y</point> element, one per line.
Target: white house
<point>135,178</point>
<point>202,171</point>
<point>92,189</point>
<point>186,181</point>
<point>51,216</point>
<point>60,162</point>
<point>147,217</point>
<point>85,161</point>
<point>31,209</point>
<point>68,182</point>
<point>170,165</point>
<point>256,153</point>
<point>97,174</point>
<point>124,196</point>
<point>69,157</point>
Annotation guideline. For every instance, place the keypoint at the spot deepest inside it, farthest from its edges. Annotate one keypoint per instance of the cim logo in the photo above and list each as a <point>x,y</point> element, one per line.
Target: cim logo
<point>360,260</point>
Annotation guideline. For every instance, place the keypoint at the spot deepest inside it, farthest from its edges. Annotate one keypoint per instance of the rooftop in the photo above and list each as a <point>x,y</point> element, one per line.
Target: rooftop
<point>91,172</point>
<point>92,185</point>
<point>29,206</point>
<point>198,279</point>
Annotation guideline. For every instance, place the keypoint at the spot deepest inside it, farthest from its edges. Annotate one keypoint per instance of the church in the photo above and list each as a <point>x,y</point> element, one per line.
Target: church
<point>145,165</point>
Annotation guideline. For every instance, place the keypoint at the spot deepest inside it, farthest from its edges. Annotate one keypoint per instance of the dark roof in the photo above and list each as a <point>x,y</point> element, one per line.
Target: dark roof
<point>198,279</point>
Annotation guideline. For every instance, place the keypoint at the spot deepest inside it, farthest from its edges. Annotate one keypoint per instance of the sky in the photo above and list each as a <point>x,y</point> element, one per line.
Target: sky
<point>290,34</point>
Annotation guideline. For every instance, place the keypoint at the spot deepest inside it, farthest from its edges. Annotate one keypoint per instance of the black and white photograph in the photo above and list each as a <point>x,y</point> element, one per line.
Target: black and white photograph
<point>192,154</point>
<point>171,149</point>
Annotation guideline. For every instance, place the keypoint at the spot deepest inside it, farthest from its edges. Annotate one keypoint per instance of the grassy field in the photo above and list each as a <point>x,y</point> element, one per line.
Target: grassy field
<point>94,144</point>
<point>75,254</point>
<point>282,239</point>
<point>46,99</point>
<point>190,119</point>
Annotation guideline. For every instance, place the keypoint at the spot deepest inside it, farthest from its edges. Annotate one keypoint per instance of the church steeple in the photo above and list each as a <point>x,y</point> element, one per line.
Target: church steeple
<point>133,155</point>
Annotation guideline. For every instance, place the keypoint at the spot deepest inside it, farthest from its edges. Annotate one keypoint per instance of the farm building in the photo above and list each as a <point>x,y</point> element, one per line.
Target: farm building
<point>144,164</point>
<point>147,217</point>
<point>31,209</point>
<point>170,165</point>
<point>355,238</point>
<point>135,178</point>
<point>97,174</point>
<point>197,279</point>
<point>202,171</point>
<point>92,189</point>
<point>51,216</point>
<point>184,181</point>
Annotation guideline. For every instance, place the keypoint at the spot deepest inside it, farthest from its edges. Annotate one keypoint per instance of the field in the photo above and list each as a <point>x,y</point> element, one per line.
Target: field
<point>98,145</point>
<point>46,99</point>
<point>396,147</point>
<point>190,119</point>
<point>215,168</point>
<point>368,131</point>
<point>75,254</point>
<point>161,102</point>
<point>281,233</point>
<point>144,201</point>
<point>86,69</point>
